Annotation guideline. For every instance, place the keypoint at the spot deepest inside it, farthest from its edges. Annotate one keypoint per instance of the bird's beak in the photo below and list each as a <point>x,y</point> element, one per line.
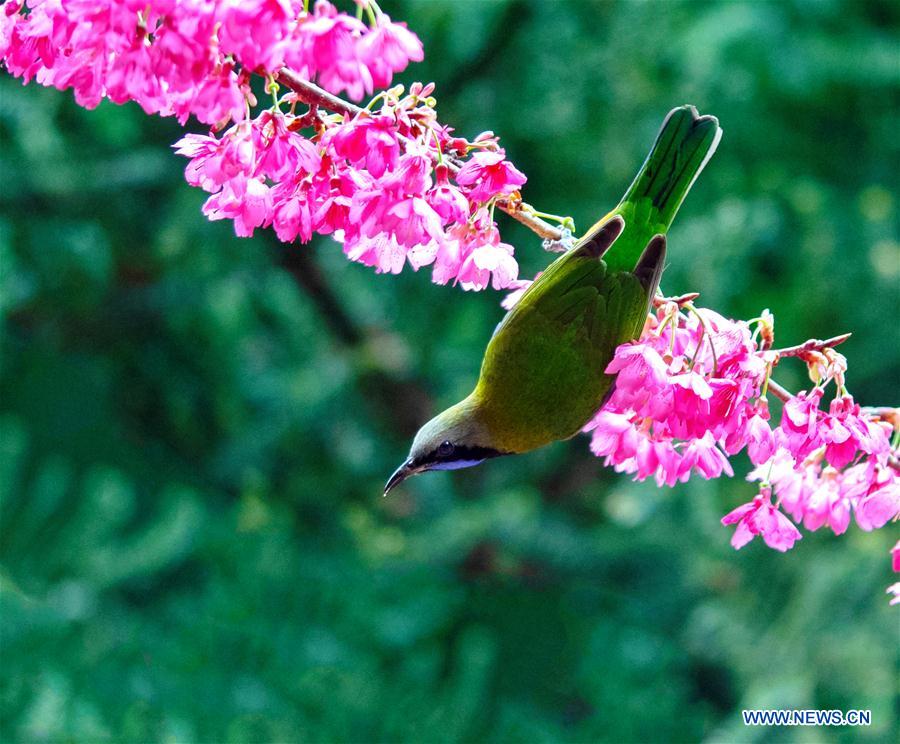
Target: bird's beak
<point>401,474</point>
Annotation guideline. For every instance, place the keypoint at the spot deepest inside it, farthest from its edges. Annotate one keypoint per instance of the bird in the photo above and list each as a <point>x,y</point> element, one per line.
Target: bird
<point>543,373</point>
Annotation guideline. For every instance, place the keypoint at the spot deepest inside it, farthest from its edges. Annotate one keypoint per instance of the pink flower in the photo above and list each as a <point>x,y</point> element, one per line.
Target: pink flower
<point>333,210</point>
<point>820,495</point>
<point>446,199</point>
<point>389,48</point>
<point>472,254</point>
<point>793,486</point>
<point>799,424</point>
<point>216,161</point>
<point>614,436</point>
<point>881,505</point>
<point>279,152</point>
<point>412,174</point>
<point>382,252</point>
<point>369,141</point>
<point>703,456</point>
<point>215,98</point>
<point>412,221</point>
<point>255,31</point>
<point>761,517</point>
<point>845,433</point>
<point>490,261</point>
<point>826,504</point>
<point>759,437</point>
<point>450,253</point>
<point>895,557</point>
<point>246,201</point>
<point>641,371</point>
<point>292,213</point>
<point>327,46</point>
<point>489,174</point>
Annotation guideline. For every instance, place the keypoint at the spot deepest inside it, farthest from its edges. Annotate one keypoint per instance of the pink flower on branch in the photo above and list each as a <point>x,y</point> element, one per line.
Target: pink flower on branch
<point>690,393</point>
<point>761,517</point>
<point>389,48</point>
<point>368,142</point>
<point>256,32</point>
<point>327,50</point>
<point>691,388</point>
<point>375,181</point>
<point>179,57</point>
<point>489,174</point>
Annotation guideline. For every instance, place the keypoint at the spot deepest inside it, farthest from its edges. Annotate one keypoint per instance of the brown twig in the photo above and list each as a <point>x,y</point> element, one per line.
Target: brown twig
<point>813,344</point>
<point>315,96</point>
<point>680,300</point>
<point>783,394</point>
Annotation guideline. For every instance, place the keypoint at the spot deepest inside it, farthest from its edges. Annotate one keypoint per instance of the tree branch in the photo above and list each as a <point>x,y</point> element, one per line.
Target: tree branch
<point>783,394</point>
<point>812,345</point>
<point>315,96</point>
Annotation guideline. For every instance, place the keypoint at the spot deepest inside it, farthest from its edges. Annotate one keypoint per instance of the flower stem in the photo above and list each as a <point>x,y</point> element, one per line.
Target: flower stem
<point>712,347</point>
<point>437,146</point>
<point>272,88</point>
<point>567,223</point>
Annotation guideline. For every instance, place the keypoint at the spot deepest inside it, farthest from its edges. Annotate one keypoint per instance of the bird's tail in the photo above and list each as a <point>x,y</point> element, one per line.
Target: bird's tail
<point>684,145</point>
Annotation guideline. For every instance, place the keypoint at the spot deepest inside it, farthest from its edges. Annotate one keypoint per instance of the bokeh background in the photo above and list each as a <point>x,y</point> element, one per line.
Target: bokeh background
<point>196,428</point>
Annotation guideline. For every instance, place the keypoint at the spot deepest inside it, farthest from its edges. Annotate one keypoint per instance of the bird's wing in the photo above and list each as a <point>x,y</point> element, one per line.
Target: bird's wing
<point>544,371</point>
<point>586,301</point>
<point>590,303</point>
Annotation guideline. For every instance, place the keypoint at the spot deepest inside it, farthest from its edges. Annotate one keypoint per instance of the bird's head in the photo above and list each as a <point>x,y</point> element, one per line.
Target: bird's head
<point>456,438</point>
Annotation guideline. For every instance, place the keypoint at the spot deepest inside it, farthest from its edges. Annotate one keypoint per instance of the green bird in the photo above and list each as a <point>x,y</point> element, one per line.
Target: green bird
<point>543,375</point>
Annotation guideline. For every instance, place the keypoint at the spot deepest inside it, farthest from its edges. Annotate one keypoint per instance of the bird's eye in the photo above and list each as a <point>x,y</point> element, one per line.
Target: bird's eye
<point>445,449</point>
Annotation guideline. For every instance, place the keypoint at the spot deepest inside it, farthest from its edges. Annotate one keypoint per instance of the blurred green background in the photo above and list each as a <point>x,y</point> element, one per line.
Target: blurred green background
<point>195,429</point>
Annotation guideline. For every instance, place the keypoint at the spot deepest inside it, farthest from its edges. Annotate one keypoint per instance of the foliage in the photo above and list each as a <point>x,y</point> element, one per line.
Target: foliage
<point>192,541</point>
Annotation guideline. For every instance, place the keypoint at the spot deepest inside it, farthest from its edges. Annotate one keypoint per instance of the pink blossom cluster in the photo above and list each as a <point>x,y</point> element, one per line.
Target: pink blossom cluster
<point>687,395</point>
<point>377,182</point>
<point>691,392</point>
<point>183,57</point>
<point>391,184</point>
<point>828,465</point>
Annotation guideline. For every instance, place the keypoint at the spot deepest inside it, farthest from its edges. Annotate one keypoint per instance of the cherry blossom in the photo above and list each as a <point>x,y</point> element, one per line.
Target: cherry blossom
<point>761,517</point>
<point>489,174</point>
<point>691,388</point>
<point>389,48</point>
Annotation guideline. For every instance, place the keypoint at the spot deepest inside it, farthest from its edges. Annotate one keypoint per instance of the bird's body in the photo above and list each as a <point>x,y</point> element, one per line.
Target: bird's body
<point>543,374</point>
